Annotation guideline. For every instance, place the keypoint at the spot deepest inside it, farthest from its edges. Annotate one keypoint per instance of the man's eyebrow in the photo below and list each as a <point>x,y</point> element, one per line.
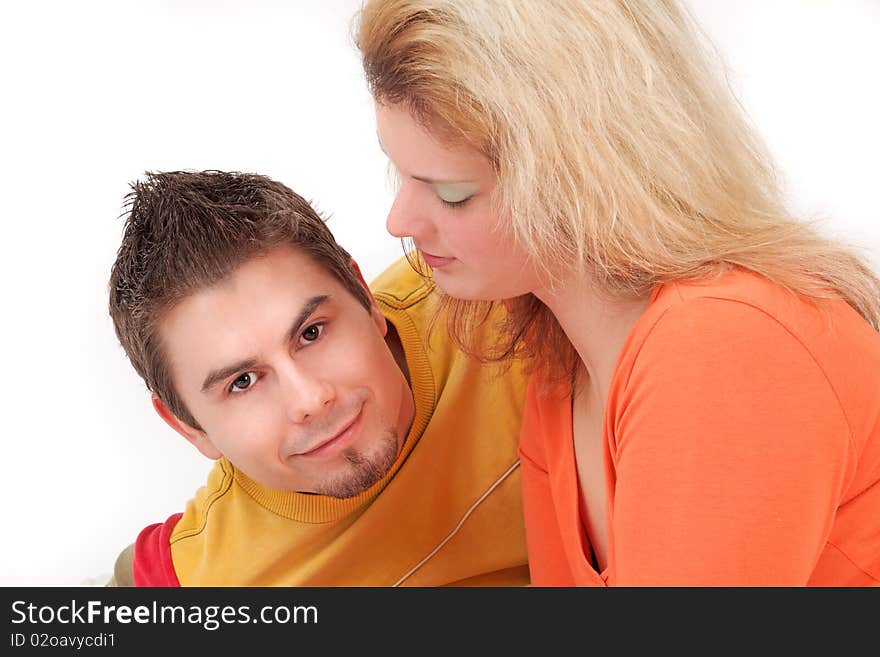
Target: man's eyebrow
<point>217,375</point>
<point>308,308</point>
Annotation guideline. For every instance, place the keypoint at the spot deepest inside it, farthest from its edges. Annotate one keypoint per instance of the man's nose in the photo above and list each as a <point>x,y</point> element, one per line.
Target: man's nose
<point>307,394</point>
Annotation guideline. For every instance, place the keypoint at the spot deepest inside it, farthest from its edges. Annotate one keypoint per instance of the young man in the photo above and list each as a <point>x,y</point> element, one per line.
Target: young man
<point>353,446</point>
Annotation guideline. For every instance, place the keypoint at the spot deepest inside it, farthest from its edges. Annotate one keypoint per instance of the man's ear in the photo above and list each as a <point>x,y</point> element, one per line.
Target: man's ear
<point>195,436</point>
<point>377,315</point>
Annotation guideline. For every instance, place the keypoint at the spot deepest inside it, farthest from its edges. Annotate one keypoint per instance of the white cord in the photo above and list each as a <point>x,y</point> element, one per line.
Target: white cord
<point>458,526</point>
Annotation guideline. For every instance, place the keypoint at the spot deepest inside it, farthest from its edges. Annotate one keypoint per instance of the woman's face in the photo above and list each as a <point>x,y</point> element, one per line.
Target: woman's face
<point>444,203</point>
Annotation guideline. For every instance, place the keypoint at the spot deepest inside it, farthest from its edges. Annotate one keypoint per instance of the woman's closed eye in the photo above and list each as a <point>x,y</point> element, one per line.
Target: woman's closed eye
<point>455,194</point>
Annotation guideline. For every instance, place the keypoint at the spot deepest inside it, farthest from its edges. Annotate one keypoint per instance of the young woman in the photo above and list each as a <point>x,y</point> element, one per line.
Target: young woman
<point>704,407</point>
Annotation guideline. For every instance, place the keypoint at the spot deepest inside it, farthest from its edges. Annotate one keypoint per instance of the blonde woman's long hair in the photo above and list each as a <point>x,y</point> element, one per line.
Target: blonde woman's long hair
<point>620,150</point>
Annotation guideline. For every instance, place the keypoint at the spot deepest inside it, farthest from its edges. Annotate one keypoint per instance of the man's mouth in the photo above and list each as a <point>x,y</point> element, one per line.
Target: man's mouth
<point>339,439</point>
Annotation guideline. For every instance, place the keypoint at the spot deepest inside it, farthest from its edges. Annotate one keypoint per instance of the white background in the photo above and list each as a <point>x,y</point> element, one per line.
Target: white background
<point>93,94</point>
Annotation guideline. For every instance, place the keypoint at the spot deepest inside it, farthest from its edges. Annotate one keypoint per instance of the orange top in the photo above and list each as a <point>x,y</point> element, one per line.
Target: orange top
<point>741,447</point>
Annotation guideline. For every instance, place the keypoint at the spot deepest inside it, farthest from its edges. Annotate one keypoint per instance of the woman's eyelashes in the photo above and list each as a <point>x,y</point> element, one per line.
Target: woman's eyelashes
<point>453,204</point>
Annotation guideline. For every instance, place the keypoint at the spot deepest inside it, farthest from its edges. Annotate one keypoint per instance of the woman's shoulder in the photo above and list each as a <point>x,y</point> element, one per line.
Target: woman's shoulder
<point>746,341</point>
<point>720,304</point>
<point>753,330</point>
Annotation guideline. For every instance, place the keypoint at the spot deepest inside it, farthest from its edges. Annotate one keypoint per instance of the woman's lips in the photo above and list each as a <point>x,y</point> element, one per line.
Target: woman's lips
<point>435,262</point>
<point>339,441</point>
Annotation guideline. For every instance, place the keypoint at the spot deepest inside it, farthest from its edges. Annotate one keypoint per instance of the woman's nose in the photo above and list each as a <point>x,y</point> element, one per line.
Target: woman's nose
<point>406,218</point>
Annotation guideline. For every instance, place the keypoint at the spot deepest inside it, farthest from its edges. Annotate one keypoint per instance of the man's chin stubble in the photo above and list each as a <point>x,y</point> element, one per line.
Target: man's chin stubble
<point>364,470</point>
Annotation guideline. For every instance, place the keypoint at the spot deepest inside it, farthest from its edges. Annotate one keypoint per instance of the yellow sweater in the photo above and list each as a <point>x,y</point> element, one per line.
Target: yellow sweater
<point>448,512</point>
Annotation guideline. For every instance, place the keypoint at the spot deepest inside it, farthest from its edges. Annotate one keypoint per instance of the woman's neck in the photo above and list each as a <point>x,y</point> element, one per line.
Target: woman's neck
<point>597,325</point>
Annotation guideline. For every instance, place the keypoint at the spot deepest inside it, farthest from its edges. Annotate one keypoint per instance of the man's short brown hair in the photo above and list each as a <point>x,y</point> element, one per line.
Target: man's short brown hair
<point>186,231</point>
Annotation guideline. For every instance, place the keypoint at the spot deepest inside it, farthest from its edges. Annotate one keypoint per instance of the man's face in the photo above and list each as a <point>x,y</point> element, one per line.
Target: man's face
<point>289,377</point>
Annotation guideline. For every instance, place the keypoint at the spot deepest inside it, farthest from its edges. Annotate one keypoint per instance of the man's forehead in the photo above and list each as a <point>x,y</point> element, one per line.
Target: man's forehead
<point>292,266</point>
<point>282,273</point>
<point>252,306</point>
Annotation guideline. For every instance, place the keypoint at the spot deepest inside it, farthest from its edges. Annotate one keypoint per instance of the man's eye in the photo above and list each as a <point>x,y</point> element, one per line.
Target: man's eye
<point>313,332</point>
<point>243,382</point>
